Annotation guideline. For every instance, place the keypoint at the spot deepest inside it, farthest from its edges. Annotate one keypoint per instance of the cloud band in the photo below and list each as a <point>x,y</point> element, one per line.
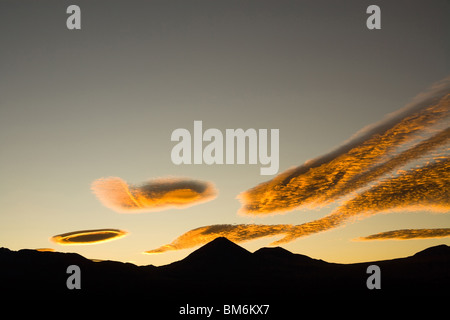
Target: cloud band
<point>373,152</point>
<point>406,234</point>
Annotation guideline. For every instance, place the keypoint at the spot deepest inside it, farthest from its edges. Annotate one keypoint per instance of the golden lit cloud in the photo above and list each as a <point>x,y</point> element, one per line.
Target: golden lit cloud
<point>45,250</point>
<point>88,236</point>
<point>426,188</point>
<point>400,163</point>
<point>234,232</point>
<point>379,149</point>
<point>405,234</point>
<point>154,195</point>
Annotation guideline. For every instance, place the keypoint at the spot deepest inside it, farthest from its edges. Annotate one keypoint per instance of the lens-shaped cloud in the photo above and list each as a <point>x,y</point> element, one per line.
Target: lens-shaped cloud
<point>373,152</point>
<point>88,236</point>
<point>234,232</point>
<point>154,195</point>
<point>406,234</point>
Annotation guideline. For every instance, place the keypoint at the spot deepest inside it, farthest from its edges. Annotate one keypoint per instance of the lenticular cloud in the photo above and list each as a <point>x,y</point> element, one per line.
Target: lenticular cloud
<point>418,132</point>
<point>88,236</point>
<point>153,195</point>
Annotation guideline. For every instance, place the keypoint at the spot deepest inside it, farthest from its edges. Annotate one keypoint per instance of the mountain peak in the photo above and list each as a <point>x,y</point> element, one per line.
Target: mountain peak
<point>221,241</point>
<point>439,250</point>
<point>273,251</point>
<point>280,256</point>
<point>219,252</point>
<point>220,247</point>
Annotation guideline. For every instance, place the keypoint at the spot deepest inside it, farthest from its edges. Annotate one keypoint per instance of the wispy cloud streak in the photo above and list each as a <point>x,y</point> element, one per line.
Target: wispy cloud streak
<point>426,188</point>
<point>406,234</point>
<point>374,151</point>
<point>234,232</point>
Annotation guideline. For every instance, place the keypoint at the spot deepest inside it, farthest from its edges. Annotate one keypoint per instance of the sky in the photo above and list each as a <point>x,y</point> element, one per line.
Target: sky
<point>86,118</point>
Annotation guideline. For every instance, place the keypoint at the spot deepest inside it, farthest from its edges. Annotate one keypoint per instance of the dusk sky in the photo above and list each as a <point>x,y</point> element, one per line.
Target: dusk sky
<point>86,117</point>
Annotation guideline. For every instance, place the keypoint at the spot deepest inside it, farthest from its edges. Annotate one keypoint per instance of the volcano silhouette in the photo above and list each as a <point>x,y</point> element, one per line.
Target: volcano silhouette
<point>218,251</point>
<point>223,271</point>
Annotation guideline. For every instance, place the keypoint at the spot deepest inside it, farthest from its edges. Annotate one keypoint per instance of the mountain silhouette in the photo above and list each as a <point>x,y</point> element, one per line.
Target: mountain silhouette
<point>218,251</point>
<point>276,252</point>
<point>434,252</point>
<point>221,270</point>
<point>280,255</point>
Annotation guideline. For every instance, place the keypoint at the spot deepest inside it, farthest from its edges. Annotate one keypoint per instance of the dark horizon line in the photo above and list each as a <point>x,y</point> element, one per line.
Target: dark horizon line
<point>214,241</point>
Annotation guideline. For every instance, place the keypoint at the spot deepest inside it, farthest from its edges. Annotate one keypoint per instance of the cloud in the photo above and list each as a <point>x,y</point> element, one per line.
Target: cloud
<point>405,234</point>
<point>425,188</point>
<point>154,195</point>
<point>400,163</point>
<point>415,152</point>
<point>234,232</point>
<point>376,150</point>
<point>88,236</point>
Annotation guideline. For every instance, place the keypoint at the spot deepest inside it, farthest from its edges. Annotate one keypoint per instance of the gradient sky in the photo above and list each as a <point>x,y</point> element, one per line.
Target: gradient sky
<point>77,106</point>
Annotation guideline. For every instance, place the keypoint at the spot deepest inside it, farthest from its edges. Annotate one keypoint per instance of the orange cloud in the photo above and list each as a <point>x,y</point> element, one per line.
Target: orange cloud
<point>363,169</point>
<point>234,232</point>
<point>154,195</point>
<point>374,152</point>
<point>426,188</point>
<point>88,236</point>
<point>405,234</point>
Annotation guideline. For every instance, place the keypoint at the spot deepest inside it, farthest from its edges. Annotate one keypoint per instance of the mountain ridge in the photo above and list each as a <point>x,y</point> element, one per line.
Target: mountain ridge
<point>222,269</point>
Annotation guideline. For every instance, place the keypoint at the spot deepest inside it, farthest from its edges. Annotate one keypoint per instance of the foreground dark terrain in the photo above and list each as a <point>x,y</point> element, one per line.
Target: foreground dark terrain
<point>222,271</point>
